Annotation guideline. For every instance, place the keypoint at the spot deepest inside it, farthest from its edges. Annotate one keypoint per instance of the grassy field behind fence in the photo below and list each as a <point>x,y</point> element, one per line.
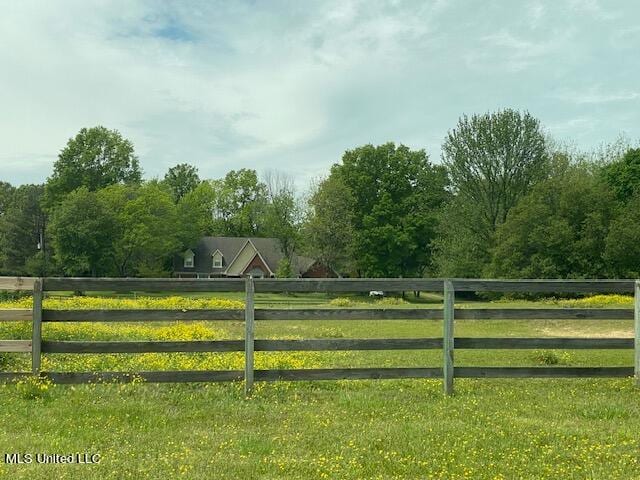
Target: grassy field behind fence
<point>578,428</point>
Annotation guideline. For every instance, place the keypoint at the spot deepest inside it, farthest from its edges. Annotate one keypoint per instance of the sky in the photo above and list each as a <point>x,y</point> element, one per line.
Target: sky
<point>291,85</point>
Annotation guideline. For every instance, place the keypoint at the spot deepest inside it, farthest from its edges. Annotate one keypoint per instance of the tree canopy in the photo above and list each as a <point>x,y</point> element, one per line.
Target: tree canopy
<point>622,250</point>
<point>395,193</point>
<point>558,230</point>
<point>6,196</point>
<point>282,213</point>
<point>182,179</point>
<point>492,160</point>
<point>117,231</point>
<point>623,175</point>
<point>82,230</point>
<point>505,202</point>
<point>328,228</point>
<point>22,231</point>
<point>95,158</point>
<point>239,203</point>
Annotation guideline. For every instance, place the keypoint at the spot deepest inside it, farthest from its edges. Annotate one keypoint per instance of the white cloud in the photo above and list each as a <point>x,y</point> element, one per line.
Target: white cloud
<point>535,12</point>
<point>598,95</point>
<point>595,9</point>
<point>515,52</point>
<point>287,85</point>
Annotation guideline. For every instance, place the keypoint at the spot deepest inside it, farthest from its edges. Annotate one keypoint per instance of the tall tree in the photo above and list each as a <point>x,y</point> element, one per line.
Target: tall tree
<point>328,228</point>
<point>95,158</point>
<point>115,199</point>
<point>622,251</point>
<point>120,230</point>
<point>182,179</point>
<point>240,200</point>
<point>22,232</point>
<point>460,244</point>
<point>558,230</point>
<point>195,213</point>
<point>6,196</point>
<point>493,160</point>
<point>282,212</point>
<point>83,232</point>
<point>148,236</point>
<point>624,174</point>
<point>396,193</point>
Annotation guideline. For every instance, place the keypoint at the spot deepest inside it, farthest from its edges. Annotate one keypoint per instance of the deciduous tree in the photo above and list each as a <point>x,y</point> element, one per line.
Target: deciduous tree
<point>83,231</point>
<point>328,228</point>
<point>182,179</point>
<point>396,193</point>
<point>281,212</point>
<point>240,200</point>
<point>558,230</point>
<point>195,213</point>
<point>622,251</point>
<point>624,175</point>
<point>6,196</point>
<point>95,158</point>
<point>22,233</point>
<point>493,160</point>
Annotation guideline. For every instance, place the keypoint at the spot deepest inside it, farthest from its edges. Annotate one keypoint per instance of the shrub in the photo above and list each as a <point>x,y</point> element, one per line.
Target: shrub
<point>551,357</point>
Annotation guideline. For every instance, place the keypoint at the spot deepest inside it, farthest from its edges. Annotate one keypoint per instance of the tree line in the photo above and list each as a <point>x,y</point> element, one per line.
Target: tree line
<point>505,201</point>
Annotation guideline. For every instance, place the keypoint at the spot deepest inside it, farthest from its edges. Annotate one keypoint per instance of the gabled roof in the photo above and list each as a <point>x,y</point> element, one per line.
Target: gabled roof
<point>238,253</point>
<point>249,243</point>
<point>268,248</point>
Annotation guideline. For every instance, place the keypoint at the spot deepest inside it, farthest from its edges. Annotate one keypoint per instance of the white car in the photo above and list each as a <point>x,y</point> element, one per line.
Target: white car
<point>376,293</point>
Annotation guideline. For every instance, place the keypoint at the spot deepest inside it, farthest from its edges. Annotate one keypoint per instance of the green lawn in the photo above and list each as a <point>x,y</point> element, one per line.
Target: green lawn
<point>525,428</point>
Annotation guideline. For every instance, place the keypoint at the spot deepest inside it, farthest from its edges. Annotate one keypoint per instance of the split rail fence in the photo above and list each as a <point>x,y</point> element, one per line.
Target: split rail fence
<point>447,343</point>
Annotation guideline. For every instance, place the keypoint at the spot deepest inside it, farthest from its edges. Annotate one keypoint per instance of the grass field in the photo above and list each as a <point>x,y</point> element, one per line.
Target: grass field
<point>490,429</point>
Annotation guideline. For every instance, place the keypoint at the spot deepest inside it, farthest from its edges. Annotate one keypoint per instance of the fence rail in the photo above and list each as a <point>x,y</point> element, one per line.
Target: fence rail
<point>319,285</point>
<point>448,343</point>
<point>342,314</point>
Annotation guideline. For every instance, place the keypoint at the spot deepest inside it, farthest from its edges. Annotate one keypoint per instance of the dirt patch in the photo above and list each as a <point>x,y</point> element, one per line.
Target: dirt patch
<point>569,331</point>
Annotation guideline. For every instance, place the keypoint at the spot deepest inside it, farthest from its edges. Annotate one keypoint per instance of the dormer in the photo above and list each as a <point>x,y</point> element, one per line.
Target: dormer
<point>217,259</point>
<point>189,259</point>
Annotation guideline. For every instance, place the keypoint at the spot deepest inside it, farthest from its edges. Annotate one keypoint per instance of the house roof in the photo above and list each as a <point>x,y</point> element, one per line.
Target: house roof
<point>269,249</point>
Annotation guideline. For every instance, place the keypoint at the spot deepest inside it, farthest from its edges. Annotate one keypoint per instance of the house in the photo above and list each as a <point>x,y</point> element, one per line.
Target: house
<point>241,257</point>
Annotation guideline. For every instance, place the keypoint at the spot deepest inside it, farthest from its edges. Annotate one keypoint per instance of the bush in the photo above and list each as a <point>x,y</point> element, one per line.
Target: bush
<point>284,269</point>
<point>551,357</point>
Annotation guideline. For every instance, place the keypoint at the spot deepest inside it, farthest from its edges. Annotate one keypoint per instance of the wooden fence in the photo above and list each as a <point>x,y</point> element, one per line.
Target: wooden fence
<point>448,314</point>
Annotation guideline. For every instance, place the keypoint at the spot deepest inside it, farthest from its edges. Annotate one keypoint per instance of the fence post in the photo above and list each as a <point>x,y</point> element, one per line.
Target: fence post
<point>636,346</point>
<point>248,336</point>
<point>447,338</point>
<point>36,332</point>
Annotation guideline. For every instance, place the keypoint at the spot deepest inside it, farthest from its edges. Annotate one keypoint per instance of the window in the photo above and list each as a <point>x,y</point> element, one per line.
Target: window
<point>188,260</point>
<point>217,259</point>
